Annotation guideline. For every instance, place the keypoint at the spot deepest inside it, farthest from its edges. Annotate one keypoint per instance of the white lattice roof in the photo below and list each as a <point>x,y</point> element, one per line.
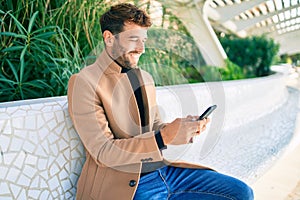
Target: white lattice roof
<point>279,19</point>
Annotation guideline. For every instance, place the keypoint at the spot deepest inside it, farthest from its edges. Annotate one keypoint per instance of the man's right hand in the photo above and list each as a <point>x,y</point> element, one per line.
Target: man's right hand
<point>181,130</point>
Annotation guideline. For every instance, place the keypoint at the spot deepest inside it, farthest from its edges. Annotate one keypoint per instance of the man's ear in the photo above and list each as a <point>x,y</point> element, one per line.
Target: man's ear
<point>108,38</point>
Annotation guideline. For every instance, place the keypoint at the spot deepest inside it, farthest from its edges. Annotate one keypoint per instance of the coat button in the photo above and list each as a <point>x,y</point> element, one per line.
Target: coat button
<point>132,183</point>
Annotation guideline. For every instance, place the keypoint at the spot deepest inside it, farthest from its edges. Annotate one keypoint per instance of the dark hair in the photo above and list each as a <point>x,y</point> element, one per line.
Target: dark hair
<point>114,19</point>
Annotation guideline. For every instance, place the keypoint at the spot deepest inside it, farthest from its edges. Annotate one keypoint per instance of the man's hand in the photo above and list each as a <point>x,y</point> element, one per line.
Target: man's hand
<point>181,130</point>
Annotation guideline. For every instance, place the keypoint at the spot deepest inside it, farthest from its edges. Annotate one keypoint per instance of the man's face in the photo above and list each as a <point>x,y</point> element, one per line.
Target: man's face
<point>129,45</point>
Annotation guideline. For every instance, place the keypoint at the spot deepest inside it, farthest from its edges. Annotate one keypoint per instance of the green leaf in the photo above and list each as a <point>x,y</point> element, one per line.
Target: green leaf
<point>10,90</point>
<point>5,80</point>
<point>31,92</point>
<point>38,84</point>
<point>22,67</point>
<point>13,35</point>
<point>43,29</point>
<point>44,41</point>
<point>31,22</point>
<point>44,35</point>
<point>18,24</point>
<point>21,91</point>
<point>13,48</point>
<point>13,69</point>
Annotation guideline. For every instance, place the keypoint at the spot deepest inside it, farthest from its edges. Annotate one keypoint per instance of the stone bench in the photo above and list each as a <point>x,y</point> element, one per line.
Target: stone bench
<point>42,156</point>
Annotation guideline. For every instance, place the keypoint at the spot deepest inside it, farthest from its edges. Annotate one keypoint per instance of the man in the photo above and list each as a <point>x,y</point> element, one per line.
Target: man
<point>113,107</point>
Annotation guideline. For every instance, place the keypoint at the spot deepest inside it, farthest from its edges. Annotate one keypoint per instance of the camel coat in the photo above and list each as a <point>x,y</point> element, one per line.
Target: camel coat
<point>105,114</point>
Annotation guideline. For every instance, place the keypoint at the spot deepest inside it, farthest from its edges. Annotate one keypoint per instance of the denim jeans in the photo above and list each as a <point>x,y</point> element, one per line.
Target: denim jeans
<point>187,184</point>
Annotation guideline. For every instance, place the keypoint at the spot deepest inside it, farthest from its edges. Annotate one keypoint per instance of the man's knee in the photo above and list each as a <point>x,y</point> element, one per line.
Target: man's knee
<point>246,193</point>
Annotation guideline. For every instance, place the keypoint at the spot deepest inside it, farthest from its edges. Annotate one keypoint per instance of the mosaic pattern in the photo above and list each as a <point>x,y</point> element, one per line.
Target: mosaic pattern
<point>42,156</point>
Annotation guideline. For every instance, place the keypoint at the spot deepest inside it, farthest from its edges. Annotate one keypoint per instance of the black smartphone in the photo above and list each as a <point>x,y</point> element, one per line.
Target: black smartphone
<point>207,112</point>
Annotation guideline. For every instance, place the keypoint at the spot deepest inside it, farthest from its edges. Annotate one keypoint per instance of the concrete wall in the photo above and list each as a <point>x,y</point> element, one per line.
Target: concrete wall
<point>41,154</point>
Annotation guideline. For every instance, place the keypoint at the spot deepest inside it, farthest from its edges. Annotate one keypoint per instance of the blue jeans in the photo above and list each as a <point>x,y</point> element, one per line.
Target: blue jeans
<point>187,184</point>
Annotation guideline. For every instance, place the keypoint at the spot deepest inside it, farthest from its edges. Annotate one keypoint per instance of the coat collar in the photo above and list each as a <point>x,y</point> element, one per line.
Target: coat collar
<point>107,64</point>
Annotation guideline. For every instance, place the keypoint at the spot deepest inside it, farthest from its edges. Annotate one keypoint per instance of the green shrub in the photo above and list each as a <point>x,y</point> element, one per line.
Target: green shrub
<point>254,54</point>
<point>168,75</point>
<point>33,59</point>
<point>230,71</point>
<point>21,51</point>
<point>168,54</point>
<point>44,42</point>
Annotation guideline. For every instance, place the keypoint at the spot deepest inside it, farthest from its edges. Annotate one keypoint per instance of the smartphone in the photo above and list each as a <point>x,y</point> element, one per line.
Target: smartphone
<point>207,112</point>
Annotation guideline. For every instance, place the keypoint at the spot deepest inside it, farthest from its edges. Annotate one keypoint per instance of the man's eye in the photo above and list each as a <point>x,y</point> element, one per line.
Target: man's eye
<point>137,40</point>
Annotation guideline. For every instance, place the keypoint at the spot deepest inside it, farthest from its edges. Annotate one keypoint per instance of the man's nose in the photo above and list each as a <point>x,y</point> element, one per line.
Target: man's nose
<point>140,46</point>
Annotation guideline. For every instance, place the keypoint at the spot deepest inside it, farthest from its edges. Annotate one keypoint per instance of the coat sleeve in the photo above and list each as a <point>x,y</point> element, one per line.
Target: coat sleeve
<point>90,121</point>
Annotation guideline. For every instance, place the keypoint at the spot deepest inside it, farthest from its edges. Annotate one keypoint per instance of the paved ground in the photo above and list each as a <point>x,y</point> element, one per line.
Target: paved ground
<point>282,181</point>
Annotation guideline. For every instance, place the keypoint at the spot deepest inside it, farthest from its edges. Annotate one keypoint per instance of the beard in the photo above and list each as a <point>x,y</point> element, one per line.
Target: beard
<point>126,61</point>
<point>125,58</point>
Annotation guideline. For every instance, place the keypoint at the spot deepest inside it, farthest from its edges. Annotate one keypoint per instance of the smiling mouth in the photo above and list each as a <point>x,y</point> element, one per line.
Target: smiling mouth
<point>135,54</point>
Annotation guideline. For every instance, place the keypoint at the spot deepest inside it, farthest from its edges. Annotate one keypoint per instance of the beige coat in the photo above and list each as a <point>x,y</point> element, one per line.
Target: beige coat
<point>106,117</point>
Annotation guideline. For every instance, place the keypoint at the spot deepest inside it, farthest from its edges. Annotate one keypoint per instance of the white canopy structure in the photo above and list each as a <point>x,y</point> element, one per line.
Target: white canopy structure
<point>278,19</point>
